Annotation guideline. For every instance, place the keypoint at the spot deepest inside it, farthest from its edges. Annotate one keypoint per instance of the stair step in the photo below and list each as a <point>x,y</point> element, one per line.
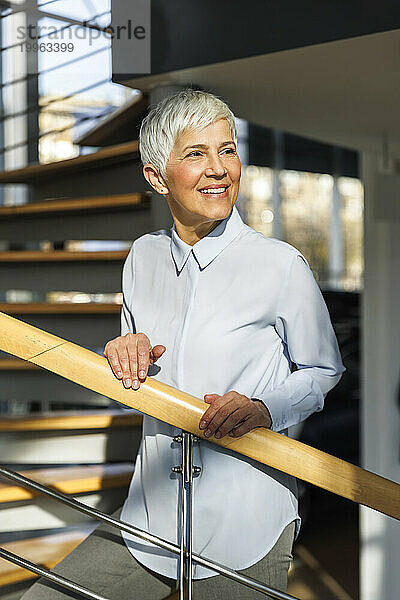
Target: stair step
<point>34,172</point>
<point>76,205</point>
<point>60,308</point>
<point>71,420</point>
<point>70,438</point>
<point>25,256</point>
<point>70,480</point>
<point>123,216</point>
<point>46,550</point>
<point>39,272</point>
<point>118,126</point>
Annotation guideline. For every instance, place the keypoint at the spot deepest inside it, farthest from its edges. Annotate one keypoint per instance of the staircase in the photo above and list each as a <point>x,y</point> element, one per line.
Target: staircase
<point>97,196</point>
<point>84,454</point>
<point>52,430</point>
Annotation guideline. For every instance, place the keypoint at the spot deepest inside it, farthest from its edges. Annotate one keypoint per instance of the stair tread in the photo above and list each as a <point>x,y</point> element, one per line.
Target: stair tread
<point>21,308</point>
<point>69,480</point>
<point>61,255</point>
<point>95,159</point>
<point>116,125</point>
<point>71,420</point>
<point>95,203</point>
<point>47,551</point>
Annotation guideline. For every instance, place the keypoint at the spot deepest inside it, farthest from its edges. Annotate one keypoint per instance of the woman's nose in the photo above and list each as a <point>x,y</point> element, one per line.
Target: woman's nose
<point>215,166</point>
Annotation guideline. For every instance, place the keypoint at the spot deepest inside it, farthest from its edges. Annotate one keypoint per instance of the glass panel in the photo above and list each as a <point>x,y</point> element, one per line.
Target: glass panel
<point>351,191</point>
<point>81,10</point>
<point>84,63</point>
<point>256,198</point>
<point>306,216</point>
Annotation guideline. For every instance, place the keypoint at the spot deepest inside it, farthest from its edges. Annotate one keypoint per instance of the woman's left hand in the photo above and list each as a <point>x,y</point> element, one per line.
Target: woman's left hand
<point>233,414</point>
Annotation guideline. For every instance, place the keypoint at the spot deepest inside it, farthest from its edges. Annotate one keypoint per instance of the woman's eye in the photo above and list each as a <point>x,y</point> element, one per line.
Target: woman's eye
<point>194,153</point>
<point>230,150</point>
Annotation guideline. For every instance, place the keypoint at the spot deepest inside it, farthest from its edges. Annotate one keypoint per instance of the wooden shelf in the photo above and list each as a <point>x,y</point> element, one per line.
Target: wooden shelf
<point>59,308</point>
<point>69,480</point>
<point>97,159</point>
<point>71,420</point>
<point>46,550</point>
<point>17,364</point>
<point>13,256</point>
<point>78,205</point>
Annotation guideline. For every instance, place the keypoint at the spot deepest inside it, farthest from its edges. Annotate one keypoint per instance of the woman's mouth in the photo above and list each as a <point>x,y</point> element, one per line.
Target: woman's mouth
<point>221,191</point>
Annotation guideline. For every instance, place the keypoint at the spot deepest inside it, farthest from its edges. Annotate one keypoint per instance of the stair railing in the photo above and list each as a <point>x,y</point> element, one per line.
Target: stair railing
<point>123,526</point>
<point>183,411</point>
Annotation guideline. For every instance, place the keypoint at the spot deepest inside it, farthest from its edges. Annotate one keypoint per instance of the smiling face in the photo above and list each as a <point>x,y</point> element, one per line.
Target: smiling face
<point>202,179</point>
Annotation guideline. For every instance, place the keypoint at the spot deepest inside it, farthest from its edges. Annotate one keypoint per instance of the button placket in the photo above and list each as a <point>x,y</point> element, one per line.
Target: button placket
<point>192,274</point>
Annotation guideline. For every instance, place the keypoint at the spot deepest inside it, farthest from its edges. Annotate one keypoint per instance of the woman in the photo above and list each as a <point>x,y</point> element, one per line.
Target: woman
<point>216,309</point>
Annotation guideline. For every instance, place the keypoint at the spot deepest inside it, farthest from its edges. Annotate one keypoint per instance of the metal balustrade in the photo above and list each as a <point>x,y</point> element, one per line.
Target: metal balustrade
<point>185,550</point>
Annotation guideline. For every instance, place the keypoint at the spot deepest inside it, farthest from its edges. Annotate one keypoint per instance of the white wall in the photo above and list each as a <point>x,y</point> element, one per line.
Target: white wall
<point>380,438</point>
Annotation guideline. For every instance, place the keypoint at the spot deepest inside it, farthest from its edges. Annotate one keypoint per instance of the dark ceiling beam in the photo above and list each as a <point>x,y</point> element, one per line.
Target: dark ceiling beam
<point>189,33</point>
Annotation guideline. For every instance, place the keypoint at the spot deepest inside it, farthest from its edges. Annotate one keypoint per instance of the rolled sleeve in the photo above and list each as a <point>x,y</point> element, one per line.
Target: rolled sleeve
<point>304,325</point>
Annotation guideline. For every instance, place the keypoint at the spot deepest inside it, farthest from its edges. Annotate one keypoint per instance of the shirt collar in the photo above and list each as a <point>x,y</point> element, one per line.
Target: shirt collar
<point>206,249</point>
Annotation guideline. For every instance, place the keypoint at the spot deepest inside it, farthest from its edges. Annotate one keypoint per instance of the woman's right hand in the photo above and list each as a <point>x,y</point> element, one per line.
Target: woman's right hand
<point>129,357</point>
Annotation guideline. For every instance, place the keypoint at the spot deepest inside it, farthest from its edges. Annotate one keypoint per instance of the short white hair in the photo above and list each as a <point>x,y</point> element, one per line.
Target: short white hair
<point>186,109</point>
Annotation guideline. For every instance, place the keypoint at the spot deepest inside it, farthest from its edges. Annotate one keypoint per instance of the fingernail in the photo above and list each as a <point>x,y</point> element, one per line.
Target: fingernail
<point>135,384</point>
<point>218,435</point>
<point>142,374</point>
<point>203,424</point>
<point>127,383</point>
<point>207,432</point>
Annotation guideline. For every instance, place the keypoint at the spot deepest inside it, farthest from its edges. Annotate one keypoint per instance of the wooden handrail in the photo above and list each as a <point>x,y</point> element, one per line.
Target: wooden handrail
<point>184,411</point>
<point>16,364</point>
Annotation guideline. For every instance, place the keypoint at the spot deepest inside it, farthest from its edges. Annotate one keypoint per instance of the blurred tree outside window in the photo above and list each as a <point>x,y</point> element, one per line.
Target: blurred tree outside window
<point>306,218</point>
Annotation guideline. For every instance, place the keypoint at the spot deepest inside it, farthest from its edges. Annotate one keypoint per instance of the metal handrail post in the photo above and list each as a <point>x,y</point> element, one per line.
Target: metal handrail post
<point>186,470</point>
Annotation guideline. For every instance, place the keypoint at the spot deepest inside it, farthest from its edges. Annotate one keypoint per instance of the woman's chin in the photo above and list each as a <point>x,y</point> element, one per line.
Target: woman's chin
<point>217,209</point>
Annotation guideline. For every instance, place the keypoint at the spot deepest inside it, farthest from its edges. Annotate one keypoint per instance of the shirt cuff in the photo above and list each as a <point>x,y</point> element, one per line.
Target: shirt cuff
<point>276,403</point>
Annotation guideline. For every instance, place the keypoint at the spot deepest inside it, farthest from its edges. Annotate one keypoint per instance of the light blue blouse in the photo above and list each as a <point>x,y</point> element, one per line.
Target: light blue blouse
<point>234,312</point>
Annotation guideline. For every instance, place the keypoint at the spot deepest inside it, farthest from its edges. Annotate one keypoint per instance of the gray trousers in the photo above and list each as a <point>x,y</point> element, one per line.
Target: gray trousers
<point>103,564</point>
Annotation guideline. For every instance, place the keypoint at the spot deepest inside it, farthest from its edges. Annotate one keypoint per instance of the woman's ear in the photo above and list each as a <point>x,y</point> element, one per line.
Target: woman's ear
<point>153,176</point>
